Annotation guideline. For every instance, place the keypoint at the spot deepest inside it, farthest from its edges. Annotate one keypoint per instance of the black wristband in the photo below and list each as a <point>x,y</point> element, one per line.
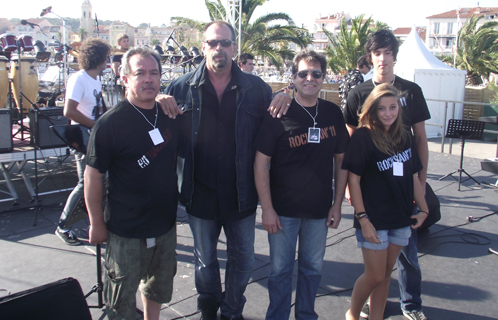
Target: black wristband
<point>360,215</point>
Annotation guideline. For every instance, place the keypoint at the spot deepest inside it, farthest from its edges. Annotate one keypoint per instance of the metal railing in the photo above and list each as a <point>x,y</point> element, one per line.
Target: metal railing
<point>443,125</point>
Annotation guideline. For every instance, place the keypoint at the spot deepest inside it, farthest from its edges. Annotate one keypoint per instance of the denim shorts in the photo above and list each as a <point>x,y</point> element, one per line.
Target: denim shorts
<point>130,264</point>
<point>395,236</point>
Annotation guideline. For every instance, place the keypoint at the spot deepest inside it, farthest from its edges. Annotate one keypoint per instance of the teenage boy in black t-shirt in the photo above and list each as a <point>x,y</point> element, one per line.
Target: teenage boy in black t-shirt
<point>382,48</point>
<point>296,193</point>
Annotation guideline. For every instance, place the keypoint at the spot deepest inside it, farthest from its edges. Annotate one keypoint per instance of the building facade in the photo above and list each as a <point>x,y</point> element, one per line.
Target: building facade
<point>442,28</point>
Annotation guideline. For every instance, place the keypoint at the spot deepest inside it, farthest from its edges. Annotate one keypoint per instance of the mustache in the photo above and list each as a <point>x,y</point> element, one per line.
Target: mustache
<point>148,86</point>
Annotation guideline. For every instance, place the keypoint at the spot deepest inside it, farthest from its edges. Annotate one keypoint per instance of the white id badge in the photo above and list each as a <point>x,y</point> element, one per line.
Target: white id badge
<point>398,169</point>
<point>151,242</point>
<point>156,136</point>
<point>313,135</point>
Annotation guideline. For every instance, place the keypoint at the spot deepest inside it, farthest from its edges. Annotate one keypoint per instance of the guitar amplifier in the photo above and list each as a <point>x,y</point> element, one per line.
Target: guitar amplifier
<point>39,125</point>
<point>5,130</point>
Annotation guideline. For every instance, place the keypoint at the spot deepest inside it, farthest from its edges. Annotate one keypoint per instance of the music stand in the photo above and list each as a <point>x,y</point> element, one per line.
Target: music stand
<point>463,129</point>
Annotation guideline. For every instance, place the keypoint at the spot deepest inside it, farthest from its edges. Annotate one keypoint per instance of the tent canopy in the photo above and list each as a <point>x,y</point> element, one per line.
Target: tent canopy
<point>437,80</point>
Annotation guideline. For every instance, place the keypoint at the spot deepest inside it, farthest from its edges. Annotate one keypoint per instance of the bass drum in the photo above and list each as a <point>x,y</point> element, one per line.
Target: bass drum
<point>4,80</point>
<point>29,81</point>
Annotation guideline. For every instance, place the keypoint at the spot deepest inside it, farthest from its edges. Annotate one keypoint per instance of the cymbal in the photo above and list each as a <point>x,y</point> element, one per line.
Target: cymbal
<point>75,45</point>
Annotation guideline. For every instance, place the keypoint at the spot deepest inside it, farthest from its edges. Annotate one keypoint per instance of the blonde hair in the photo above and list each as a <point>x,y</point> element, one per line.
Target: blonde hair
<point>393,140</point>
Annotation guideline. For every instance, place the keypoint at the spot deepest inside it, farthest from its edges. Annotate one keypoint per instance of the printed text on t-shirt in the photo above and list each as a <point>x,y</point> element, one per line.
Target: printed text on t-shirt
<point>400,157</point>
<point>302,139</point>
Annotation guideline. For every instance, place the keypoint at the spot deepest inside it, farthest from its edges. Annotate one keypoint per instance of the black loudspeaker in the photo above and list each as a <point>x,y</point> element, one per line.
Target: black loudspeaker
<point>40,126</point>
<point>60,300</point>
<point>434,208</point>
<point>5,131</point>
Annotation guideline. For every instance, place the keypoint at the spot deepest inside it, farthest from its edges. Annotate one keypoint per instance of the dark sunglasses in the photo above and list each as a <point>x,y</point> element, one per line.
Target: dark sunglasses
<point>315,74</point>
<point>224,43</point>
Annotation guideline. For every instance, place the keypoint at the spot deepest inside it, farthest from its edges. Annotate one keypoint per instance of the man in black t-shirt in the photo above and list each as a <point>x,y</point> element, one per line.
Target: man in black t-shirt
<point>123,41</point>
<point>382,48</point>
<point>296,193</point>
<point>136,144</point>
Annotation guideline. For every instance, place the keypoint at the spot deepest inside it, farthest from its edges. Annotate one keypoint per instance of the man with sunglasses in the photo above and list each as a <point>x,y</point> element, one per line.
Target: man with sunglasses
<point>223,110</point>
<point>381,49</point>
<point>294,171</point>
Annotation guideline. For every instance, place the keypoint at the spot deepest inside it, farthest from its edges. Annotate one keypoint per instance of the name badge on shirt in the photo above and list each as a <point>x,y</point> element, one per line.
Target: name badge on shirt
<point>156,136</point>
<point>313,135</point>
<point>151,242</point>
<point>398,169</point>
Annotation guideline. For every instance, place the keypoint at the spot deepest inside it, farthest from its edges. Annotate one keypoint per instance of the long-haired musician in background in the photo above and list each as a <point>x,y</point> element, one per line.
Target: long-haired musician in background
<point>123,41</point>
<point>84,105</point>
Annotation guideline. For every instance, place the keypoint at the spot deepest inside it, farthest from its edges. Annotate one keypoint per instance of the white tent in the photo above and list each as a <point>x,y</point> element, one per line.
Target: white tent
<point>437,80</point>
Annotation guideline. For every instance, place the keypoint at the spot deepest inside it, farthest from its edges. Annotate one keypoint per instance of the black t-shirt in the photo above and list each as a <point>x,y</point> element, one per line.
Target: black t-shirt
<point>388,199</point>
<point>301,172</point>
<point>117,58</point>
<point>413,102</point>
<point>143,194</point>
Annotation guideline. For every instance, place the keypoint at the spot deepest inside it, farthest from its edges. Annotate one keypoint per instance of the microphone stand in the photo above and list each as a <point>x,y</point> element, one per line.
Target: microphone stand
<point>63,43</point>
<point>36,201</point>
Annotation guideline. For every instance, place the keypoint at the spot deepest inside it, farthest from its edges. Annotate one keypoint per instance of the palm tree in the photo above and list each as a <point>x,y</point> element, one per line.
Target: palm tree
<point>153,42</point>
<point>477,50</point>
<point>348,45</point>
<point>82,33</point>
<point>262,37</point>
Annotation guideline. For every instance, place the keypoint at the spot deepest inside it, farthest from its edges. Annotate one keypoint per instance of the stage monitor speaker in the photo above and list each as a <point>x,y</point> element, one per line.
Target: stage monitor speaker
<point>5,131</point>
<point>58,300</point>
<point>39,126</point>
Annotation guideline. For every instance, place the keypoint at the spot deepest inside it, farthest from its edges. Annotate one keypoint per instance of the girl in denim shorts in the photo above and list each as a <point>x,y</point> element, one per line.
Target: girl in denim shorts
<point>383,165</point>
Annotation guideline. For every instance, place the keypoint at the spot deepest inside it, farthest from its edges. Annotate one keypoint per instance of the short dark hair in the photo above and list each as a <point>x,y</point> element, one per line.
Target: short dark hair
<point>93,52</point>
<point>221,23</point>
<point>244,57</point>
<point>363,61</point>
<point>121,36</point>
<point>381,39</point>
<point>142,51</point>
<point>309,55</point>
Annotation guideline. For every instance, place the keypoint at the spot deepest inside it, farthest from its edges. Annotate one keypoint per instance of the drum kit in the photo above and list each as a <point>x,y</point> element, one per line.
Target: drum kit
<point>19,67</point>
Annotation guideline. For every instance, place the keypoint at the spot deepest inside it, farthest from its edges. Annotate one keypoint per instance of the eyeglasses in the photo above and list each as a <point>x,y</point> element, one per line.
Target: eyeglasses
<point>224,43</point>
<point>315,74</point>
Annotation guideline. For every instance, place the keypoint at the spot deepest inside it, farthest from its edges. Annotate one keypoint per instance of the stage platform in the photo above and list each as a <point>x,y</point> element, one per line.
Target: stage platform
<point>459,272</point>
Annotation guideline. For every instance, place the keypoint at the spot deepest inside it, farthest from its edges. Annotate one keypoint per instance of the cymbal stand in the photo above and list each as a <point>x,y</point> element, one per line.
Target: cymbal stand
<point>18,43</point>
<point>99,287</point>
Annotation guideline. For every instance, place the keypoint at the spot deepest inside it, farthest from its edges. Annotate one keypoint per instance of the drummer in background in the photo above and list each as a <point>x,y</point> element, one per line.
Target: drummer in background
<point>84,105</point>
<point>123,46</point>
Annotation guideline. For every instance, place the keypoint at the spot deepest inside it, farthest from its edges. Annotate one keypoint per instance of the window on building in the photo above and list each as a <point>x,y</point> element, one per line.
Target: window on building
<point>324,36</point>
<point>450,27</point>
<point>436,28</point>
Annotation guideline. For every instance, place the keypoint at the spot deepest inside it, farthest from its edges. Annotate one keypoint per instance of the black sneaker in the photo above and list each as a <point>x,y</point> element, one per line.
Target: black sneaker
<point>223,317</point>
<point>209,315</point>
<point>68,237</point>
<point>365,311</point>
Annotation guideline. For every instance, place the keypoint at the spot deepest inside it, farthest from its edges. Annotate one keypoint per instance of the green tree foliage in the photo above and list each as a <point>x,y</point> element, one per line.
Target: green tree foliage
<point>348,45</point>
<point>477,50</point>
<point>264,36</point>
